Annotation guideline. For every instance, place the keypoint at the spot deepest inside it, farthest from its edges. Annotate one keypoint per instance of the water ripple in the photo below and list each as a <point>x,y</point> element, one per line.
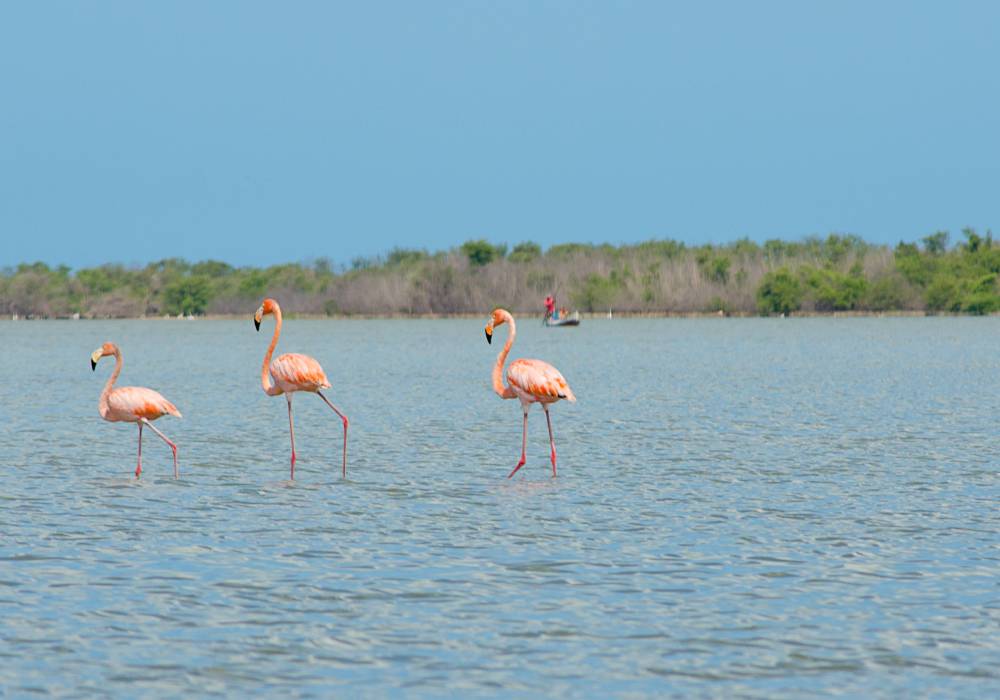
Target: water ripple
<point>744,508</point>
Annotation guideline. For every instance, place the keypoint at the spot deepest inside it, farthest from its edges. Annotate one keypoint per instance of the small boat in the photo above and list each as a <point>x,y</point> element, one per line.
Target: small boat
<point>572,319</point>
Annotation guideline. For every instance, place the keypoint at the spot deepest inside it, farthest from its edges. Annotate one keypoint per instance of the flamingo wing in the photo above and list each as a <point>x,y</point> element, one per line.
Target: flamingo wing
<point>135,402</point>
<point>300,371</point>
<point>540,379</point>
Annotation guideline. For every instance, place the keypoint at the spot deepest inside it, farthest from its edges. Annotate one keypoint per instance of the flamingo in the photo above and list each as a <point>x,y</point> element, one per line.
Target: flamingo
<point>132,404</point>
<point>292,372</point>
<point>530,381</point>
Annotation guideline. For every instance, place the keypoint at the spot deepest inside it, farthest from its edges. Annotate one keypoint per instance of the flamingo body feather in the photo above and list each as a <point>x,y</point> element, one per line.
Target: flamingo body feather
<point>537,380</point>
<point>133,403</point>
<point>295,372</point>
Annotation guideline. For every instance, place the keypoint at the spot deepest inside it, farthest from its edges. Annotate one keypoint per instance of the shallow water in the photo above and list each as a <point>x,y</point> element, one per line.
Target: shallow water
<point>744,507</point>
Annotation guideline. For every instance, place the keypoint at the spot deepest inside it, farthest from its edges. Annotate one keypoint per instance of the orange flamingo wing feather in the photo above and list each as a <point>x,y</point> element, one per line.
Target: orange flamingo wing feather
<point>540,379</point>
<point>140,402</point>
<point>299,370</point>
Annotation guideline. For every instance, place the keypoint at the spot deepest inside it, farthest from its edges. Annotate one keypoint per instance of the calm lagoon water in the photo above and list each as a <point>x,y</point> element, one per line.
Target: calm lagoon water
<point>749,507</point>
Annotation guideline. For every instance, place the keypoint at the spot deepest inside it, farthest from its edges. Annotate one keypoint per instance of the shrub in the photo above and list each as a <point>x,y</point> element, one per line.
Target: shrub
<point>595,293</point>
<point>650,280</point>
<point>211,268</point>
<point>482,252</point>
<point>718,304</point>
<point>981,303</point>
<point>103,279</point>
<point>564,250</point>
<point>404,256</point>
<point>363,263</point>
<point>832,290</point>
<point>980,296</point>
<point>323,267</point>
<point>253,284</point>
<point>714,266</point>
<point>717,269</point>
<point>973,240</point>
<point>885,294</point>
<point>188,295</point>
<point>541,281</point>
<point>525,252</point>
<point>776,249</point>
<point>836,247</point>
<point>744,247</point>
<point>779,292</point>
<point>666,248</point>
<point>936,243</point>
<point>989,259</point>
<point>438,282</point>
<point>942,294</point>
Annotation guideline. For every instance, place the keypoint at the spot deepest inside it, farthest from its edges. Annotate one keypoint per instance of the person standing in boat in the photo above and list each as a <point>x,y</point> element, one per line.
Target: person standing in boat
<point>550,307</point>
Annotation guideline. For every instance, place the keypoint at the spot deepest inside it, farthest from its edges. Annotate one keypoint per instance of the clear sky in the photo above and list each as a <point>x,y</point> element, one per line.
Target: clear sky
<point>269,132</point>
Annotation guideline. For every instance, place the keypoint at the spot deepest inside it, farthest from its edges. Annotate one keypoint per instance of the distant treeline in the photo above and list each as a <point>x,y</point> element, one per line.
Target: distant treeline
<point>835,273</point>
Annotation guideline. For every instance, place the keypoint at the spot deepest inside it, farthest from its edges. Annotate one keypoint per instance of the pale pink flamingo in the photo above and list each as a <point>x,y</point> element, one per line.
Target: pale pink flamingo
<point>292,372</point>
<point>530,381</point>
<point>132,404</point>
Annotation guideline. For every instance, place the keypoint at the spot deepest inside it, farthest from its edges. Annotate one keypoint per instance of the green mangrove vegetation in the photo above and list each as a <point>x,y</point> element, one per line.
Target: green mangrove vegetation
<point>816,274</point>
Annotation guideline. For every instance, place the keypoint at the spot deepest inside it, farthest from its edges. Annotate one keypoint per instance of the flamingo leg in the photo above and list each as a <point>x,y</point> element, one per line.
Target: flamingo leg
<point>524,442</point>
<point>345,421</point>
<point>291,431</point>
<point>173,447</point>
<point>138,467</point>
<point>552,442</point>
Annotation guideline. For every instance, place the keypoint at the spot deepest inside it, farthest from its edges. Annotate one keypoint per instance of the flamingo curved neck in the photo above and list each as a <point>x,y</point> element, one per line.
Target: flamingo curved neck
<point>498,386</point>
<point>265,379</point>
<point>106,392</point>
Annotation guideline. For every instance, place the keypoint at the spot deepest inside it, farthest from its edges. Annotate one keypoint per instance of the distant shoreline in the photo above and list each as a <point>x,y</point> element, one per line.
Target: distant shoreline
<point>837,276</point>
<point>523,317</point>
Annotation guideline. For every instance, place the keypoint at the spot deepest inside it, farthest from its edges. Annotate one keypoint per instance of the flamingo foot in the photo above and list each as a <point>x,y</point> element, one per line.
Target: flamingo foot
<point>519,465</point>
<point>553,463</point>
<point>138,471</point>
<point>293,465</point>
<point>174,450</point>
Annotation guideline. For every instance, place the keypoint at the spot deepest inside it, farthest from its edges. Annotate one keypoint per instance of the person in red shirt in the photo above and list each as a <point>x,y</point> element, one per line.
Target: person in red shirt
<point>550,306</point>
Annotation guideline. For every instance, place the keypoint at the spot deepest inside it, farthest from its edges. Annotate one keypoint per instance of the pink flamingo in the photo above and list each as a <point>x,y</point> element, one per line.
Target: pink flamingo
<point>530,381</point>
<point>132,404</point>
<point>292,372</point>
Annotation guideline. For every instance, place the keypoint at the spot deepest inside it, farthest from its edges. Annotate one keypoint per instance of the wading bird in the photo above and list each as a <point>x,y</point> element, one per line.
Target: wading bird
<point>530,381</point>
<point>132,404</point>
<point>292,372</point>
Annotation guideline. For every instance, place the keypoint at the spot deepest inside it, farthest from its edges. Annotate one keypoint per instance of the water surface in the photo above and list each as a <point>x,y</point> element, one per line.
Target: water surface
<point>748,507</point>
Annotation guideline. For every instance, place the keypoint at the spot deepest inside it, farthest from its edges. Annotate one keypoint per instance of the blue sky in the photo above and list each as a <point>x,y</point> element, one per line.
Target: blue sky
<point>272,132</point>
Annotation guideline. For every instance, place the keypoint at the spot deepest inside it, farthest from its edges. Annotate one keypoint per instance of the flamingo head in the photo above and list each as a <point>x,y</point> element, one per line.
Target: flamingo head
<point>103,351</point>
<point>497,318</point>
<point>267,307</point>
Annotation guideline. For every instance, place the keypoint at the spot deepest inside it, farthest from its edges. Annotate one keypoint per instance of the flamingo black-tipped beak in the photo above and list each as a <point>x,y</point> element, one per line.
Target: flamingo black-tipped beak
<point>93,366</point>
<point>256,324</point>
<point>489,336</point>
